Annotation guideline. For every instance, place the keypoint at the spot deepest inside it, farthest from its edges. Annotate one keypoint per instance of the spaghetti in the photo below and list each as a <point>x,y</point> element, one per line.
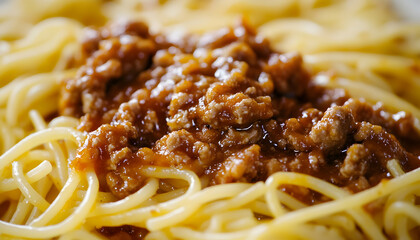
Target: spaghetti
<point>77,178</point>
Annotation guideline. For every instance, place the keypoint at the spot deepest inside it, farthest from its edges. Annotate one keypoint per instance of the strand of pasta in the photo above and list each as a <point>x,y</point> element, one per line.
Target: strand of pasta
<point>64,121</point>
<point>228,236</point>
<point>217,221</point>
<point>188,176</point>
<point>26,189</point>
<point>40,46</point>
<point>22,209</point>
<point>341,221</point>
<point>260,207</point>
<point>54,147</point>
<point>63,197</point>
<point>397,72</point>
<point>34,175</point>
<point>361,90</point>
<point>249,195</point>
<point>405,208</point>
<point>274,205</point>
<point>388,63</point>
<point>135,199</point>
<point>18,95</point>
<point>70,122</point>
<point>35,155</point>
<point>40,92</point>
<point>101,197</point>
<point>105,197</point>
<point>283,31</point>
<point>142,214</point>
<point>76,218</point>
<point>319,180</point>
<point>349,202</point>
<point>7,137</point>
<point>43,187</point>
<point>163,197</point>
<point>191,206</point>
<point>379,189</point>
<point>39,138</point>
<point>394,168</point>
<point>403,195</point>
<point>6,90</point>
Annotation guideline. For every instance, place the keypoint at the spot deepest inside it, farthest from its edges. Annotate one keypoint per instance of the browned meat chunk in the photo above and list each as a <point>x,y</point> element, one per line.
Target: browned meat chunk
<point>330,133</point>
<point>237,165</point>
<point>356,161</point>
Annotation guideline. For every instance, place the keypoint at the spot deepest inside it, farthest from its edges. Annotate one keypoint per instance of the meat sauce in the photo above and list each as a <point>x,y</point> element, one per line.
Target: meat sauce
<point>226,106</point>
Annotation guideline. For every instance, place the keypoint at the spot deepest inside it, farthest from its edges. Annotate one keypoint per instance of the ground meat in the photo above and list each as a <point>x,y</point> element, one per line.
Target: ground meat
<point>355,163</point>
<point>226,106</point>
<point>286,71</point>
<point>330,133</point>
<point>116,56</point>
<point>181,148</point>
<point>237,165</point>
<point>235,137</point>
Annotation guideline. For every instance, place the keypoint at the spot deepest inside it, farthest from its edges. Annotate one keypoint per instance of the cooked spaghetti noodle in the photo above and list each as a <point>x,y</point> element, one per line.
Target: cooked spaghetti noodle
<point>51,188</point>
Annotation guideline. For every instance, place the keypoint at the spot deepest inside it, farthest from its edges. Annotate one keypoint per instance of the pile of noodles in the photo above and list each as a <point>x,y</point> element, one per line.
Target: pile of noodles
<point>359,45</point>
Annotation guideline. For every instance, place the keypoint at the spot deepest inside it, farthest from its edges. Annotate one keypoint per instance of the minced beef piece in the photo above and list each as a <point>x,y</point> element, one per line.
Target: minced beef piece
<point>330,133</point>
<point>355,163</point>
<point>238,165</point>
<point>226,106</point>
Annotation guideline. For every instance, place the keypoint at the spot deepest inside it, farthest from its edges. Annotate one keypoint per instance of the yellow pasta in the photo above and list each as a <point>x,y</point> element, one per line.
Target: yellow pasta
<point>358,45</point>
